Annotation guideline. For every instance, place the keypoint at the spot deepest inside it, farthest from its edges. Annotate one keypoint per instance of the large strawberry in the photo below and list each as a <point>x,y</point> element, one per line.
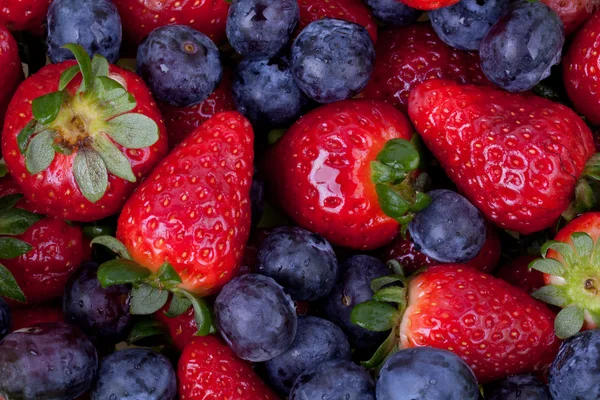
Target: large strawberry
<point>346,171</point>
<point>516,157</point>
<point>24,15</point>
<point>497,329</point>
<point>429,4</point>
<point>407,56</point>
<point>518,273</point>
<point>573,13</point>
<point>140,17</point>
<point>78,137</point>
<point>12,70</point>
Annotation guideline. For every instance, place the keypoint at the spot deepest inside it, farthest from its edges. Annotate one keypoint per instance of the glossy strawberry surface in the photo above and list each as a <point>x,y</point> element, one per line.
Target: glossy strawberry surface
<point>12,70</point>
<point>573,13</point>
<point>429,4</point>
<point>24,15</point>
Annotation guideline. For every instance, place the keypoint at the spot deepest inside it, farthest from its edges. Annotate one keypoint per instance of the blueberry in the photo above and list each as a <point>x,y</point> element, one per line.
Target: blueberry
<point>255,317</point>
<point>257,197</point>
<point>135,374</point>
<point>332,59</point>
<point>334,380</point>
<point>425,373</point>
<point>259,29</point>
<point>393,12</point>
<point>519,50</point>
<point>180,65</point>
<point>266,93</point>
<point>355,288</point>
<point>317,340</point>
<point>450,230</point>
<point>52,361</point>
<point>518,387</point>
<point>575,370</point>
<point>93,24</point>
<point>464,24</point>
<point>5,318</point>
<point>102,313</point>
<point>301,261</point>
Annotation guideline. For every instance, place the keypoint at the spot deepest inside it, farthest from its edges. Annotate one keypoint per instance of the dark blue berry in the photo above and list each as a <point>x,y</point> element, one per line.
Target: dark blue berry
<point>135,374</point>
<point>355,288</point>
<point>519,50</point>
<point>102,313</point>
<point>334,380</point>
<point>5,319</point>
<point>259,29</point>
<point>317,340</point>
<point>93,24</point>
<point>301,261</point>
<point>450,230</point>
<point>180,65</point>
<point>426,373</point>
<point>266,93</point>
<point>53,361</point>
<point>575,370</point>
<point>393,12</point>
<point>464,24</point>
<point>518,387</point>
<point>255,317</point>
<point>257,197</point>
<point>332,60</point>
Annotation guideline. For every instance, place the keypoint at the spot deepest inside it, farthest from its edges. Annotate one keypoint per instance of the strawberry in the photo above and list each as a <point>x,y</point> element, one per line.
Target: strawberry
<point>140,17</point>
<point>24,15</point>
<point>12,70</point>
<point>407,56</point>
<point>429,4</point>
<point>31,316</point>
<point>573,13</point>
<point>345,171</point>
<point>208,369</point>
<point>349,10</point>
<point>78,154</point>
<point>497,329</point>
<point>518,273</point>
<point>182,328</point>
<point>516,157</point>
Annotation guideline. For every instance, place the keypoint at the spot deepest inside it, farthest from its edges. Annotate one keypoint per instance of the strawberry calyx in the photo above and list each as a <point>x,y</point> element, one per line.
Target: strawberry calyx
<point>574,278</point>
<point>87,125</point>
<point>151,291</point>
<point>588,184</point>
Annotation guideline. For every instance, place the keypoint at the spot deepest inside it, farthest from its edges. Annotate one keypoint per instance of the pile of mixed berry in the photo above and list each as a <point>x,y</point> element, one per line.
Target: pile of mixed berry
<point>300,199</point>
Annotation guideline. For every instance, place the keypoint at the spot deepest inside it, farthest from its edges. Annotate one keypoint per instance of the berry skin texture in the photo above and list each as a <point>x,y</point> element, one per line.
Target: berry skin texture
<point>182,328</point>
<point>208,368</point>
<point>497,329</point>
<point>429,4</point>
<point>31,316</point>
<point>518,274</point>
<point>516,157</point>
<point>12,70</point>
<point>194,209</point>
<point>393,13</point>
<point>573,13</point>
<point>322,175</point>
<point>53,361</point>
<point>426,374</point>
<point>133,374</point>
<point>5,318</point>
<point>518,387</point>
<point>24,15</point>
<point>54,191</point>
<point>411,55</point>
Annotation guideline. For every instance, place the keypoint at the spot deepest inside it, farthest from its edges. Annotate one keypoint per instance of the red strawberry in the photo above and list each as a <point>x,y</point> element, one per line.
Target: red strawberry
<point>140,17</point>
<point>182,328</point>
<point>350,10</point>
<point>429,4</point>
<point>12,71</point>
<point>410,55</point>
<point>208,369</point>
<point>516,157</point>
<point>580,70</point>
<point>573,13</point>
<point>518,273</point>
<point>24,15</point>
<point>78,156</point>
<point>31,316</point>
<point>333,173</point>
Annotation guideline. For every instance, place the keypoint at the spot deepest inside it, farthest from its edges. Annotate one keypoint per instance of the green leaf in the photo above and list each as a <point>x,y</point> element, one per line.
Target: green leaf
<point>569,322</point>
<point>99,66</point>
<point>9,201</point>
<point>394,294</point>
<point>400,155</point>
<point>385,349</point>
<point>147,327</point>
<point>40,153</point>
<point>14,221</point>
<point>25,134</point>
<point>381,173</point>
<point>114,159</point>
<point>168,276</point>
<point>94,231</point>
<point>275,134</point>
<point>113,244</point>
<point>146,300</point>
<point>46,108</point>
<point>374,316</point>
<point>565,250</point>
<point>392,204</point>
<point>551,294</point>
<point>67,77</point>
<point>9,287</point>
<point>59,148</point>
<point>85,64</point>
<point>133,131</point>
<point>378,283</point>
<point>12,248</point>
<point>548,266</point>
<point>121,271</point>
<point>91,174</point>
<point>3,170</point>
<point>113,97</point>
<point>202,313</point>
<point>422,201</point>
<point>178,306</point>
<point>583,244</point>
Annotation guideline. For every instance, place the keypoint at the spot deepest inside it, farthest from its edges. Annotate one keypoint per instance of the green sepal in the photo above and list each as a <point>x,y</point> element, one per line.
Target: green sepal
<point>400,155</point>
<point>84,62</point>
<point>178,306</point>
<point>583,243</point>
<point>133,131</point>
<point>3,169</point>
<point>12,248</point>
<point>9,287</point>
<point>422,201</point>
<point>381,173</point>
<point>564,249</point>
<point>167,276</point>
<point>275,134</point>
<point>59,148</point>
<point>46,108</point>
<point>112,97</point>
<point>551,294</point>
<point>40,152</point>
<point>392,204</point>
<point>95,231</point>
<point>584,199</point>
<point>145,328</point>
<point>67,76</point>
<point>378,283</point>
<point>112,244</point>
<point>121,271</point>
<point>25,135</point>
<point>569,322</point>
<point>114,160</point>
<point>14,221</point>
<point>10,200</point>
<point>374,316</point>
<point>394,294</point>
<point>146,300</point>
<point>90,174</point>
<point>548,266</point>
<point>202,314</point>
<point>99,66</point>
<point>383,352</point>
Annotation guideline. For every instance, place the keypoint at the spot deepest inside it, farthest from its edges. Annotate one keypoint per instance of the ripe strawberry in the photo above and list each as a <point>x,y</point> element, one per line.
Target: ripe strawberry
<point>407,56</point>
<point>344,171</point>
<point>208,369</point>
<point>497,329</point>
<point>12,71</point>
<point>24,15</point>
<point>182,328</point>
<point>75,154</point>
<point>573,13</point>
<point>31,316</point>
<point>516,157</point>
<point>518,273</point>
<point>350,10</point>
<point>429,4</point>
<point>140,17</point>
